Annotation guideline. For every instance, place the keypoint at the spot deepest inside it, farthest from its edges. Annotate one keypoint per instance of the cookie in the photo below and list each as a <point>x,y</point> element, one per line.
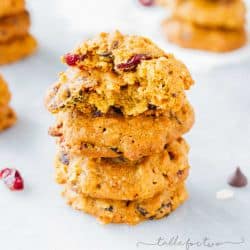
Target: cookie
<point>115,136</point>
<point>14,26</point>
<point>17,49</point>
<point>228,14</point>
<point>188,35</point>
<point>130,212</point>
<point>4,93</point>
<point>129,73</point>
<point>120,179</point>
<point>11,7</point>
<point>7,117</point>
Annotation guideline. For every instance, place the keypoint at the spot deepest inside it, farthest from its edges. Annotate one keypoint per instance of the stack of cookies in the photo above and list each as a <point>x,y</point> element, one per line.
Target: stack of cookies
<point>15,40</point>
<point>213,25</point>
<point>7,115</point>
<point>121,110</point>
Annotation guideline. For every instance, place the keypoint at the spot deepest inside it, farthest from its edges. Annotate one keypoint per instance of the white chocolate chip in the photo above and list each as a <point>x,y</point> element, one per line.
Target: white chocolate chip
<point>224,194</point>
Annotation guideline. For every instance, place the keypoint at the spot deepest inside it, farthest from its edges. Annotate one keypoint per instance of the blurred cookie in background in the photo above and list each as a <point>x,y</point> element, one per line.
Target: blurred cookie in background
<point>188,35</point>
<point>11,7</point>
<point>15,40</point>
<point>7,115</point>
<point>217,25</point>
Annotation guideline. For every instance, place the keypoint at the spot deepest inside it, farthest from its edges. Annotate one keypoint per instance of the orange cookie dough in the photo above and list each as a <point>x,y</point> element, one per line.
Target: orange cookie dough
<point>114,136</point>
<point>229,14</point>
<point>11,7</point>
<point>14,26</point>
<point>120,179</point>
<point>130,212</point>
<point>7,117</point>
<point>17,49</point>
<point>188,35</point>
<point>126,72</point>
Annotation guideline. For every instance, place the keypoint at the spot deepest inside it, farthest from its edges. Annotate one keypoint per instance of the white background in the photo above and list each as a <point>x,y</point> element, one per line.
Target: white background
<point>220,140</point>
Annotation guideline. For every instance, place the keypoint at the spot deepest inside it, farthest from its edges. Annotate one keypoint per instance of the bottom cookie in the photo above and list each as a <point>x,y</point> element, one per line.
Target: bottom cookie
<point>129,212</point>
<point>7,118</point>
<point>189,35</point>
<point>17,49</point>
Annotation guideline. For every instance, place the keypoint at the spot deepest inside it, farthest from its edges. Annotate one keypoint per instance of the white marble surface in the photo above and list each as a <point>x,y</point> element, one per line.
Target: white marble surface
<point>220,140</point>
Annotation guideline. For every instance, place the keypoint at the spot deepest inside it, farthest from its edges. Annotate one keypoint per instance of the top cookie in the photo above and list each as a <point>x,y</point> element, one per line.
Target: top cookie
<point>228,14</point>
<point>115,71</point>
<point>11,7</point>
<point>4,93</point>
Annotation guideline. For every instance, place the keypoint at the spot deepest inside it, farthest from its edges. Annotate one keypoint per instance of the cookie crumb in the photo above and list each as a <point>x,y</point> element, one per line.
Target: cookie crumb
<point>224,194</point>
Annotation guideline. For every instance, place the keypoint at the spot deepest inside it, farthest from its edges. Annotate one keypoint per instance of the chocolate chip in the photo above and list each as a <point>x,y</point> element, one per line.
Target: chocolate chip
<point>96,113</point>
<point>116,110</point>
<point>238,179</point>
<point>141,210</point>
<point>151,106</point>
<point>180,172</point>
<point>115,150</point>
<point>124,87</point>
<point>171,155</point>
<point>128,203</point>
<point>163,206</point>
<point>110,208</point>
<point>64,159</point>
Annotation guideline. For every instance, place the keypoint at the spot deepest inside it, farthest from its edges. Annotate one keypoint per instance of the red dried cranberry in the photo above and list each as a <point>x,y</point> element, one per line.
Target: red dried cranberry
<point>12,179</point>
<point>133,62</point>
<point>147,2</point>
<point>72,59</point>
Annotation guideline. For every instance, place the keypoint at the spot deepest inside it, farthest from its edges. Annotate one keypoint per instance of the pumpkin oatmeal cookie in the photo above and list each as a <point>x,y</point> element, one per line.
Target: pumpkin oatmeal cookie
<point>126,72</point>
<point>7,117</point>
<point>14,26</point>
<point>120,179</point>
<point>17,48</point>
<point>130,212</point>
<point>115,136</point>
<point>189,35</point>
<point>11,7</point>
<point>121,109</point>
<point>229,14</point>
<point>4,93</point>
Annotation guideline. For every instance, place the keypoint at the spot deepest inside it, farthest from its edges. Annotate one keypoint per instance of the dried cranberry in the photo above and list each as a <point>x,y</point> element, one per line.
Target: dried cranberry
<point>147,2</point>
<point>12,179</point>
<point>72,59</point>
<point>133,62</point>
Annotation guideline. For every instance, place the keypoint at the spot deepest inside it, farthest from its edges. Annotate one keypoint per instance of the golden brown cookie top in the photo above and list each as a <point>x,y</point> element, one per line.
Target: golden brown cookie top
<point>126,72</point>
<point>4,93</point>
